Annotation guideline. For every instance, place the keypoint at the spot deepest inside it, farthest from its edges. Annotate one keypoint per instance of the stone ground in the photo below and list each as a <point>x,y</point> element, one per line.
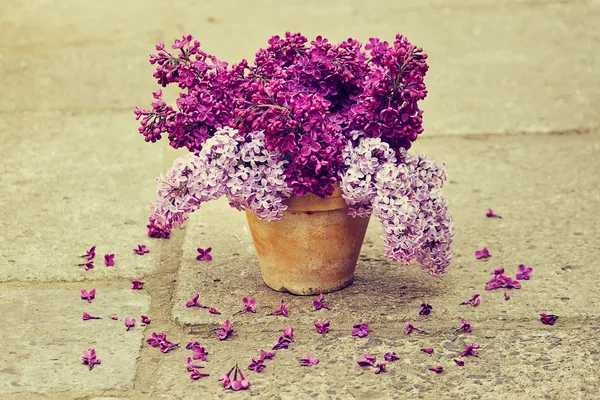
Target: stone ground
<point>513,109</point>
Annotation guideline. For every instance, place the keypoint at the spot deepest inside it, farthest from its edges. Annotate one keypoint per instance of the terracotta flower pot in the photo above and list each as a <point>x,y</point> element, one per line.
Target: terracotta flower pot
<point>312,249</point>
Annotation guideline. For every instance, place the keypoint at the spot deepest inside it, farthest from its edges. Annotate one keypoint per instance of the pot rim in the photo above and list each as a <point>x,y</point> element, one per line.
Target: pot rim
<point>312,202</point>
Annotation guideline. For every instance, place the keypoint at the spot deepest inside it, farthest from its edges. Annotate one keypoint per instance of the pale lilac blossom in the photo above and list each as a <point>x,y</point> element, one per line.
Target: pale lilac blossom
<point>86,316</point>
<point>282,310</point>
<point>320,303</point>
<point>141,250</point>
<point>225,330</point>
<point>309,361</point>
<point>410,328</point>
<point>483,253</point>
<point>391,357</point>
<point>360,330</point>
<point>465,327</point>
<point>89,296</point>
<point>194,302</point>
<point>381,367</point>
<point>129,323</point>
<point>491,214</point>
<point>367,360</point>
<point>470,350</point>
<point>438,369</point>
<point>89,358</point>
<point>474,300</point>
<point>524,272</point>
<point>322,327</point>
<point>109,260</point>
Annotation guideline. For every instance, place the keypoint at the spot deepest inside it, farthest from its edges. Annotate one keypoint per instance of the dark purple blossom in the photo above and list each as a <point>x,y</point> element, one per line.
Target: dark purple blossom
<point>160,340</point>
<point>257,365</point>
<point>465,327</point>
<point>427,350</point>
<point>109,260</point>
<point>381,367</point>
<point>249,305</point>
<point>506,296</point>
<point>204,254</point>
<point>114,317</point>
<point>196,374</point>
<point>267,355</point>
<point>90,254</point>
<point>145,319</point>
<point>320,303</point>
<point>548,319</point>
<point>89,358</point>
<point>129,323</point>
<point>425,309</point>
<point>141,250</point>
<point>410,328</point>
<point>367,360</point>
<point>470,350</point>
<point>282,310</point>
<point>474,300</point>
<point>390,357</point>
<point>213,310</point>
<point>438,369</point>
<point>166,346</point>
<point>360,330</point>
<point>89,296</point>
<point>282,343</point>
<point>524,272</point>
<point>322,327</point>
<point>225,330</point>
<point>501,281</point>
<point>199,351</point>
<point>137,284</point>
<point>483,253</point>
<point>458,362</point>
<point>156,231</point>
<point>86,316</point>
<point>89,264</point>
<point>309,361</point>
<point>194,302</point>
<point>490,214</point>
<point>191,366</point>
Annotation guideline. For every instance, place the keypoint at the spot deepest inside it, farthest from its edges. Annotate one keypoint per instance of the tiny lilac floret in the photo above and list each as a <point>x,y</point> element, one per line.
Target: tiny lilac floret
<point>114,317</point>
<point>390,357</point>
<point>160,340</point>
<point>204,254</point>
<point>410,328</point>
<point>213,310</point>
<point>194,302</point>
<point>137,284</point>
<point>89,264</point>
<point>381,367</point>
<point>225,330</point>
<point>320,303</point>
<point>196,374</point>
<point>506,296</point>
<point>257,365</point>
<point>459,362</point>
<point>427,350</point>
<point>109,260</point>
<point>288,333</point>
<point>548,319</point>
<point>141,250</point>
<point>282,310</point>
<point>425,309</point>
<point>309,361</point>
<point>145,319</point>
<point>474,300</point>
<point>483,253</point>
<point>470,350</point>
<point>267,355</point>
<point>438,369</point>
<point>367,360</point>
<point>360,330</point>
<point>249,305</point>
<point>501,281</point>
<point>129,323</point>
<point>239,382</point>
<point>90,254</point>
<point>89,358</point>
<point>199,351</point>
<point>322,327</point>
<point>86,316</point>
<point>89,296</point>
<point>465,327</point>
<point>490,214</point>
<point>524,272</point>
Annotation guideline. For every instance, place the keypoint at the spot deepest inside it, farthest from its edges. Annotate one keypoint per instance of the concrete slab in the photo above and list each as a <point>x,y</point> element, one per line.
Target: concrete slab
<point>494,66</point>
<point>44,354</point>
<point>70,183</point>
<point>532,193</point>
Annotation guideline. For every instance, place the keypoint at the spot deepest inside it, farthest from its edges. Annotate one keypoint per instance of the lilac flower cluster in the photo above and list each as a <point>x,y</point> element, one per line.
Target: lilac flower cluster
<point>404,193</point>
<point>307,97</point>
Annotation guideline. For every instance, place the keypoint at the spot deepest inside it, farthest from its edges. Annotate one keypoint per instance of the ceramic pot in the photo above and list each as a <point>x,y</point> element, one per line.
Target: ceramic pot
<point>313,248</point>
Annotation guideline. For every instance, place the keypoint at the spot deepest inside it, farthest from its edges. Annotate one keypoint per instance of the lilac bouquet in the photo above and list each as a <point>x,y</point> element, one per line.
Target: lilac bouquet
<point>302,118</point>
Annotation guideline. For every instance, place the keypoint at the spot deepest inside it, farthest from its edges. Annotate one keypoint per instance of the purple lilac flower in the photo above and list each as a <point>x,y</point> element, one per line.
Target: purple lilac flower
<point>282,310</point>
<point>322,327</point>
<point>114,317</point>
<point>249,305</point>
<point>267,355</point>
<point>90,254</point>
<point>474,300</point>
<point>194,302</point>
<point>465,327</point>
<point>425,309</point>
<point>501,281</point>
<point>438,369</point>
<point>204,254</point>
<point>483,253</point>
<point>89,296</point>
<point>109,260</point>
<point>199,351</point>
<point>239,382</point>
<point>381,367</point>
<point>86,316</point>
<point>89,264</point>
<point>524,272</point>
<point>160,340</point>
<point>391,357</point>
<point>367,360</point>
<point>145,319</point>
<point>470,350</point>
<point>309,361</point>
<point>141,250</point>
<point>225,330</point>
<point>506,296</point>
<point>427,350</point>
<point>410,328</point>
<point>282,343</point>
<point>157,232</point>
<point>137,284</point>
<point>257,365</point>
<point>548,319</point>
<point>129,323</point>
<point>191,366</point>
<point>89,358</point>
<point>320,302</point>
<point>458,362</point>
<point>360,330</point>
<point>288,333</point>
<point>196,374</point>
<point>491,214</point>
<point>213,310</point>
